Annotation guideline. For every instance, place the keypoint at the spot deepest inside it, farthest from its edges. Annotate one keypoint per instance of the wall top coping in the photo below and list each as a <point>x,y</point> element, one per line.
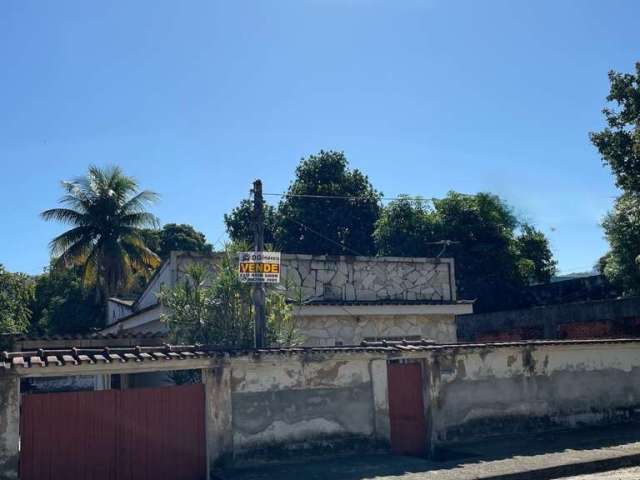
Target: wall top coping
<point>27,363</point>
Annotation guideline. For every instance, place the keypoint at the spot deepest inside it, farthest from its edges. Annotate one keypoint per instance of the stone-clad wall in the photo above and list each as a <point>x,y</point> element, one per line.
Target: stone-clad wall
<point>368,278</point>
<point>344,278</point>
<point>321,331</point>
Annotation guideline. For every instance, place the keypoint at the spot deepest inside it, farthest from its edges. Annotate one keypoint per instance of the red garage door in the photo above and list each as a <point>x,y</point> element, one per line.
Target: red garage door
<point>406,409</point>
<point>114,435</point>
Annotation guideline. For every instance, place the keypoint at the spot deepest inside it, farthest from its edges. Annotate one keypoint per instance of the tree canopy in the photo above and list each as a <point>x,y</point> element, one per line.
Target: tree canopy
<point>495,255</point>
<point>16,298</point>
<point>619,147</point>
<point>63,305</point>
<point>107,213</point>
<point>335,226</point>
<point>173,237</point>
<point>304,222</point>
<point>239,223</point>
<point>622,230</point>
<point>619,142</point>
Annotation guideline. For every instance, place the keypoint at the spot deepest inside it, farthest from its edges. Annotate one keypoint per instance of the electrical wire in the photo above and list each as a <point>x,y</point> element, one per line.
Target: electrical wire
<point>327,238</point>
<point>353,197</point>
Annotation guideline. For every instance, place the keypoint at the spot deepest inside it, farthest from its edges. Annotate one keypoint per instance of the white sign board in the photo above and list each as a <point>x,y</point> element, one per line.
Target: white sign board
<point>259,267</point>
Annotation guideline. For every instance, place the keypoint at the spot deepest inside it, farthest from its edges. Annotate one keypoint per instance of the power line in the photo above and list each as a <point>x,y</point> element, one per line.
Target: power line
<point>354,197</point>
<point>327,238</point>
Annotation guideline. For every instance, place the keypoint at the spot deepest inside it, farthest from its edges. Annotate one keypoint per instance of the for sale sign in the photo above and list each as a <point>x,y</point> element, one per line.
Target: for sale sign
<point>259,267</point>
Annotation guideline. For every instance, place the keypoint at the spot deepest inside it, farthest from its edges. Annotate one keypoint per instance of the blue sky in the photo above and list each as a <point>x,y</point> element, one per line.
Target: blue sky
<point>198,98</point>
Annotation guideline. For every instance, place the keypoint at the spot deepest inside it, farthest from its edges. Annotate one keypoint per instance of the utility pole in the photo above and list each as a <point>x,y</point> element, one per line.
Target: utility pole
<point>258,290</point>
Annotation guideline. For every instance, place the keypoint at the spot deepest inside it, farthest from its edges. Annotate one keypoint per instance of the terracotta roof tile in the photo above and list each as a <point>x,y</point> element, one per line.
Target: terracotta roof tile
<point>43,358</point>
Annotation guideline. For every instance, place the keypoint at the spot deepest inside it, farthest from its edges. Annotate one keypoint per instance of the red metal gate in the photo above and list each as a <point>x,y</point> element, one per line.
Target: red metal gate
<point>114,435</point>
<point>406,409</point>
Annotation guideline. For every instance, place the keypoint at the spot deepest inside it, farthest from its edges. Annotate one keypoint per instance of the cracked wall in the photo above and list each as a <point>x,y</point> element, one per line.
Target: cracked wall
<point>9,426</point>
<point>310,404</point>
<point>495,391</point>
<point>368,278</point>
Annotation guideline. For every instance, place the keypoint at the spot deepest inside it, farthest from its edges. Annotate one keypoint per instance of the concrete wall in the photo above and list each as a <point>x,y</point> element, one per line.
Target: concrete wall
<point>592,319</point>
<point>484,391</point>
<point>282,405</point>
<point>9,426</point>
<point>269,406</point>
<point>352,330</point>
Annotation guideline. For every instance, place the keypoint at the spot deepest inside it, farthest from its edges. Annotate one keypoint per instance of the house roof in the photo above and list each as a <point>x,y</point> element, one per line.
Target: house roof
<point>82,336</point>
<point>47,358</point>
<point>122,301</point>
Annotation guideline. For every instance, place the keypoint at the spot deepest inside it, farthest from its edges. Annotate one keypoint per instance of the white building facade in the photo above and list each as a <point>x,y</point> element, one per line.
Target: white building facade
<point>339,300</point>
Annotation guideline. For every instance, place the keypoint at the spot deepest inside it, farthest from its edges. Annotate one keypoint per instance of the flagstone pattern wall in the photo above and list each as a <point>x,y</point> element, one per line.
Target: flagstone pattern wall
<point>356,279</point>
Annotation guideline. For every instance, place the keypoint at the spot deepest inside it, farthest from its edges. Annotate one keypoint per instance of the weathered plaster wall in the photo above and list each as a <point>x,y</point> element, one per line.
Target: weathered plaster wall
<point>310,403</point>
<point>352,330</point>
<point>368,278</point>
<point>219,432</point>
<point>9,426</point>
<point>488,391</point>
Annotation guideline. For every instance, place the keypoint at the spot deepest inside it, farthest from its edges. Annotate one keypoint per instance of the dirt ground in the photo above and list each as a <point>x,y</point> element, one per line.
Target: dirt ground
<point>622,474</point>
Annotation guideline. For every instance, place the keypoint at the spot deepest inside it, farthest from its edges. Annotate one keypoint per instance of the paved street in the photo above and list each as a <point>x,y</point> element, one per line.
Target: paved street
<point>622,474</point>
<point>578,455</point>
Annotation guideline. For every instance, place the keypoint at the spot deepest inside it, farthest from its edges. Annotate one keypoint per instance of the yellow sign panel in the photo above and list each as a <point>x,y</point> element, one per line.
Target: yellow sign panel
<point>259,267</point>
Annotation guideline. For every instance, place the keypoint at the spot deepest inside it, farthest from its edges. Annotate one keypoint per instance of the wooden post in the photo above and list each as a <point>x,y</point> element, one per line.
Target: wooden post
<point>258,290</point>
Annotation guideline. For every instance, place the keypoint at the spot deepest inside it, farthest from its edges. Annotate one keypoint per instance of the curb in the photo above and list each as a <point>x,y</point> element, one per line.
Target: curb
<point>570,469</point>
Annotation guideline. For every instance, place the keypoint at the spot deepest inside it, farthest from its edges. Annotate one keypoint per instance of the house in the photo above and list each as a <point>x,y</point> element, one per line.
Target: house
<point>340,300</point>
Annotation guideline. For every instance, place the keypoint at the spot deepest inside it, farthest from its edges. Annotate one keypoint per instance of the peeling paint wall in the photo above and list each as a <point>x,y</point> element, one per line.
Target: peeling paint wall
<point>490,391</point>
<point>321,331</point>
<point>312,403</point>
<point>9,426</point>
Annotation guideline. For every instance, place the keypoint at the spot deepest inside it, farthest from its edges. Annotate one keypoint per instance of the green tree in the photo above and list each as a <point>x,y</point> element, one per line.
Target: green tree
<point>176,237</point>
<point>305,222</point>
<point>16,297</point>
<point>535,258</point>
<point>621,265</point>
<point>217,310</point>
<point>336,226</point>
<point>107,212</point>
<point>239,223</point>
<point>404,228</point>
<point>63,305</point>
<point>493,263</point>
<point>619,147</point>
<point>619,142</point>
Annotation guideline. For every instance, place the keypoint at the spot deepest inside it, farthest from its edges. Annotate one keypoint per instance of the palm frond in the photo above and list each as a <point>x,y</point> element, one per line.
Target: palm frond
<point>65,215</point>
<point>139,202</point>
<point>107,212</point>
<point>75,254</point>
<point>139,254</point>
<point>140,220</point>
<point>61,244</point>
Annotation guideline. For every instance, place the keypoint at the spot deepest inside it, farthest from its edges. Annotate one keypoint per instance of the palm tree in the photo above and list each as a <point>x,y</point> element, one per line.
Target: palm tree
<point>107,212</point>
